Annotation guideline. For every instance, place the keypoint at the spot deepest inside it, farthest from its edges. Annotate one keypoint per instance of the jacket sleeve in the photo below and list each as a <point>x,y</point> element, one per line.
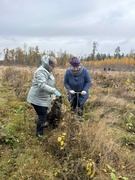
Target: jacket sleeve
<point>66,84</point>
<point>40,79</point>
<point>87,81</point>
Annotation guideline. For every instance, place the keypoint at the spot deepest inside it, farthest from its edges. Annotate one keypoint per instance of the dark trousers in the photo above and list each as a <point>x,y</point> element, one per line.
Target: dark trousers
<point>74,103</point>
<point>42,116</point>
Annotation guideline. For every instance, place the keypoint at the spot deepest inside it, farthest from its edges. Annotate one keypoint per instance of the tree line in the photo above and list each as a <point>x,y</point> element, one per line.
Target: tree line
<point>32,57</point>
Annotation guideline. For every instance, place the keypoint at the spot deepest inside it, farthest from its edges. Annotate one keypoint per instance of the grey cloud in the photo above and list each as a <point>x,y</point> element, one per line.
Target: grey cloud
<point>68,23</point>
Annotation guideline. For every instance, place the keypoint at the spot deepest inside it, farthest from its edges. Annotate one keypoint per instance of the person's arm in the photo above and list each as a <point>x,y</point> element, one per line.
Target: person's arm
<point>66,83</point>
<point>87,81</point>
<point>41,78</point>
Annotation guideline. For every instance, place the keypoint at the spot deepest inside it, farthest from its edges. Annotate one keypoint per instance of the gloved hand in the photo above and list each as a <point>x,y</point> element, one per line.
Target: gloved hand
<point>83,92</point>
<point>72,92</point>
<point>57,93</point>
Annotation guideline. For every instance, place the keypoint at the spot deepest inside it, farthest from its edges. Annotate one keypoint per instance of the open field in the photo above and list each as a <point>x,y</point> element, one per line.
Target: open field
<point>100,147</point>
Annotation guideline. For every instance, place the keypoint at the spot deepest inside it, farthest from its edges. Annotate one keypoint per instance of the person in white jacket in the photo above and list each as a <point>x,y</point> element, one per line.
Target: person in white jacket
<point>43,86</point>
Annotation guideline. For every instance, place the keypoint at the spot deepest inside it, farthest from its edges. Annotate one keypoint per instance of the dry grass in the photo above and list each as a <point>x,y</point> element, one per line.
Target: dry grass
<point>104,136</point>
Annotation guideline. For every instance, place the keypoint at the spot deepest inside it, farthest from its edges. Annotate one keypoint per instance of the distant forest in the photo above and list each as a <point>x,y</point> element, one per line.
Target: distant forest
<point>30,56</point>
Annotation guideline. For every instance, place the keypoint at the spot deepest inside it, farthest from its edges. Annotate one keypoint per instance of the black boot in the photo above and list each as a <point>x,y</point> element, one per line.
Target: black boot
<point>80,110</point>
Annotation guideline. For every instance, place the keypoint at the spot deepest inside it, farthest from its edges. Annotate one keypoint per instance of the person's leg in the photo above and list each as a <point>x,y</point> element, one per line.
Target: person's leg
<point>73,103</point>
<point>81,102</point>
<point>42,116</point>
<point>80,105</point>
<point>80,109</point>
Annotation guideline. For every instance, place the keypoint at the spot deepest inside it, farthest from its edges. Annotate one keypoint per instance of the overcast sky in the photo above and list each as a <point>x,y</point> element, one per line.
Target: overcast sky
<point>69,25</point>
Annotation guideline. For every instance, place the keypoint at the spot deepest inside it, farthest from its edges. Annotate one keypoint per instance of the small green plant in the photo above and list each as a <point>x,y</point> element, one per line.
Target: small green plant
<point>90,168</point>
<point>127,82</point>
<point>122,178</point>
<point>61,140</point>
<point>112,172</point>
<point>130,85</point>
<point>129,122</point>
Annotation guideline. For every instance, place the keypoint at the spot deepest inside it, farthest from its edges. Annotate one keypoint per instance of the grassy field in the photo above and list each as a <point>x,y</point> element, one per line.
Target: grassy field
<point>99,146</point>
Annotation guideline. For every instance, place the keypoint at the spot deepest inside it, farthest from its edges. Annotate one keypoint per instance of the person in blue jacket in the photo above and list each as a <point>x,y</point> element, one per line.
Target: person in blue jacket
<point>77,80</point>
<point>43,86</point>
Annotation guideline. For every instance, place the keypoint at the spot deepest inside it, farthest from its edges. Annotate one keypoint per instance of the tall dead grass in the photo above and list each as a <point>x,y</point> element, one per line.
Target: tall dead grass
<point>92,140</point>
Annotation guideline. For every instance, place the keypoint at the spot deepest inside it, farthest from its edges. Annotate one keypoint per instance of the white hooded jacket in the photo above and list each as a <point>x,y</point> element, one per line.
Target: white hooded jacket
<point>43,85</point>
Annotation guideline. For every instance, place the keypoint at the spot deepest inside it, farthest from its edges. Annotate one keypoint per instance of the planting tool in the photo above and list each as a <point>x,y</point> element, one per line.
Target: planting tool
<point>77,93</point>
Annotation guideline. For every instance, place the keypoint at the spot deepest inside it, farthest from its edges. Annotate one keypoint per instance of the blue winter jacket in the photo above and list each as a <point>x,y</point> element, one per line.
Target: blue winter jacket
<point>78,84</point>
